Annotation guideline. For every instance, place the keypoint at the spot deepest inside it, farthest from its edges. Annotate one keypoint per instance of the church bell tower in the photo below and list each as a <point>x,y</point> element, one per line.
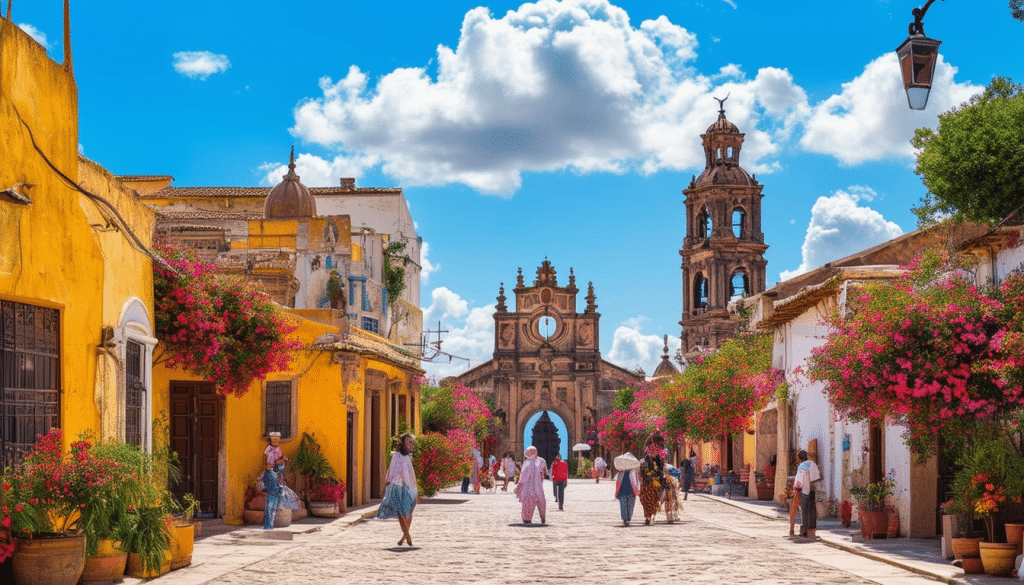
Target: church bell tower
<point>723,252</point>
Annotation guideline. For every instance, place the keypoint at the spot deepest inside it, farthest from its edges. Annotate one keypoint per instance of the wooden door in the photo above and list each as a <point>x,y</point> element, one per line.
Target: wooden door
<point>195,436</point>
<point>350,457</point>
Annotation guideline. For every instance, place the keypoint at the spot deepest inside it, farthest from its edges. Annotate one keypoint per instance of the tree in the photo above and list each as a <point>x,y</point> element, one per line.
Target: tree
<point>973,166</point>
<point>1017,9</point>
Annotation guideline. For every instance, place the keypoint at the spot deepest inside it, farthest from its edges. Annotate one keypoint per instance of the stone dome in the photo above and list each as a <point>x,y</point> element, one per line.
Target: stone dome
<point>290,198</point>
<point>665,369</point>
<point>722,126</point>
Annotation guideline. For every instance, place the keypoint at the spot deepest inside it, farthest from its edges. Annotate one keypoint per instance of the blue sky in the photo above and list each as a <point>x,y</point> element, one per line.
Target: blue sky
<point>564,130</point>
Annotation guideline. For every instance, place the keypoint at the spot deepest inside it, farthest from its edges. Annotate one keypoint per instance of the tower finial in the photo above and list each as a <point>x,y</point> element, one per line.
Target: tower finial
<point>8,10</point>
<point>291,176</point>
<point>721,104</point>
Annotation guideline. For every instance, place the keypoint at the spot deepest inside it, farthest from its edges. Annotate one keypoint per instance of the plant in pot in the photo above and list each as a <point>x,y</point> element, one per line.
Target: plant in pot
<point>871,505</point>
<point>52,504</point>
<point>336,290</point>
<point>990,475</point>
<point>766,484</point>
<point>326,497</point>
<point>319,478</point>
<point>182,531</point>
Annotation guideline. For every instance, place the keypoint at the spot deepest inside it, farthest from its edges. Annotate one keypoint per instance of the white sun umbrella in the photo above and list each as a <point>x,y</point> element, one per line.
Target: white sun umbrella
<point>581,447</point>
<point>626,461</point>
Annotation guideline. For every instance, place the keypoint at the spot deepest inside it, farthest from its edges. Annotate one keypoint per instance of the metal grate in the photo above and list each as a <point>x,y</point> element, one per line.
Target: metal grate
<point>279,408</point>
<point>29,376</point>
<point>134,393</point>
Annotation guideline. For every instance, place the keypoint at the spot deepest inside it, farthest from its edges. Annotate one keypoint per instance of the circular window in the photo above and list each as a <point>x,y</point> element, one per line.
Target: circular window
<point>546,326</point>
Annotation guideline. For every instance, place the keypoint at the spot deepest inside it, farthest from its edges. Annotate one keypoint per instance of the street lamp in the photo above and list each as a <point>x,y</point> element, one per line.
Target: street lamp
<point>918,55</point>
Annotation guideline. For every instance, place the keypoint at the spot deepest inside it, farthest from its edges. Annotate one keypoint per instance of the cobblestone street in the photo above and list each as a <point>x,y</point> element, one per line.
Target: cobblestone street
<point>479,539</point>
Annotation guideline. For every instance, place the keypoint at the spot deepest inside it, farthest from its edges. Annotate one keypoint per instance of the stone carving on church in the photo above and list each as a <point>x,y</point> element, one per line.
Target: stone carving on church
<point>505,334</point>
<point>585,335</point>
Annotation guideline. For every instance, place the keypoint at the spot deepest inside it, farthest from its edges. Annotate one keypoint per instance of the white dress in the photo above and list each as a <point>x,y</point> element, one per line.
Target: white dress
<point>400,494</point>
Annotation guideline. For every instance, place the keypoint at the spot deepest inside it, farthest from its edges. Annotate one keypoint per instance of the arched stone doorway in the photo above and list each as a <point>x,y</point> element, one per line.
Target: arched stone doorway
<point>548,432</point>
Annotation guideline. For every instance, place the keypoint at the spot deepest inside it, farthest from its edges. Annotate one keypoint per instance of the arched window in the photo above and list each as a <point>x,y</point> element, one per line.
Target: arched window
<point>728,152</point>
<point>718,154</point>
<point>700,293</point>
<point>739,284</point>
<point>739,219</point>
<point>705,224</point>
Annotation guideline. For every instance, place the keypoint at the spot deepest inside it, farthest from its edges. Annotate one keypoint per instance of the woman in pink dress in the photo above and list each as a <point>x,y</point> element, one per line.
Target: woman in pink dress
<point>530,488</point>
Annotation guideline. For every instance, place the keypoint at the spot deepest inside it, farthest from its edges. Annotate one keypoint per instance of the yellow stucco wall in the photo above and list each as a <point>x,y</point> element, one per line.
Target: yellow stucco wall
<point>50,255</point>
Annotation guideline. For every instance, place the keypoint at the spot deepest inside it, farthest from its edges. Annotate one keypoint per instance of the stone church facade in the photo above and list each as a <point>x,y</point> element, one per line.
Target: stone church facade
<point>547,357</point>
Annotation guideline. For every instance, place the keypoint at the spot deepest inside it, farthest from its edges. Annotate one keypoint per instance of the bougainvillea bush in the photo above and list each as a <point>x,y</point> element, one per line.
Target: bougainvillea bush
<point>453,406</point>
<point>719,393</point>
<point>929,352</point>
<point>441,460</point>
<point>225,329</point>
<point>638,413</point>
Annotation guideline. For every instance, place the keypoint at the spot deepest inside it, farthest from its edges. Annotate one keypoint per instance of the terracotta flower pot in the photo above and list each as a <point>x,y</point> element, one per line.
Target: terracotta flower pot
<point>325,509</point>
<point>282,519</point>
<point>966,548</point>
<point>973,566</point>
<point>107,566</point>
<point>998,557</point>
<point>57,560</point>
<point>1015,535</point>
<point>874,524</point>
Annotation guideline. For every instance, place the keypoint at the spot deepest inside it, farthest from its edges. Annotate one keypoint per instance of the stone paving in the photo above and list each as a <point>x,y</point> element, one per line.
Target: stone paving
<point>480,539</point>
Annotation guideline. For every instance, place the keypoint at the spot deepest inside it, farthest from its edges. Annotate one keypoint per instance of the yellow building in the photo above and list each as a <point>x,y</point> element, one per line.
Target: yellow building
<point>349,388</point>
<point>76,281</point>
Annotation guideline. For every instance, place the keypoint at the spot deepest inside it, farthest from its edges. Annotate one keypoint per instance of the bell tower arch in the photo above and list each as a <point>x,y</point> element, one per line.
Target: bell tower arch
<point>723,251</point>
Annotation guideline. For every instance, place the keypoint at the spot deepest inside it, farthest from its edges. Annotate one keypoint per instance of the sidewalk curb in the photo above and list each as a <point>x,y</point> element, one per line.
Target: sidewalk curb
<point>828,539</point>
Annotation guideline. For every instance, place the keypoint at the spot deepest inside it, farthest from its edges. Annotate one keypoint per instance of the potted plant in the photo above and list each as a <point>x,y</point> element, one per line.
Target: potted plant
<point>183,531</point>
<point>106,519</point>
<point>326,497</point>
<point>871,505</point>
<point>149,540</point>
<point>956,520</point>
<point>766,485</point>
<point>43,498</point>
<point>336,290</point>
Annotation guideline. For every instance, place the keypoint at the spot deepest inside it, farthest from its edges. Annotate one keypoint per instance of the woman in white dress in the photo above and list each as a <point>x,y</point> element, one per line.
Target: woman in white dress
<point>400,490</point>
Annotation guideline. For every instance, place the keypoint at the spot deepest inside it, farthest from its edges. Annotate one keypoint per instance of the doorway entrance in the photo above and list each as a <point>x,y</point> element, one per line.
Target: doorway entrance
<point>195,437</point>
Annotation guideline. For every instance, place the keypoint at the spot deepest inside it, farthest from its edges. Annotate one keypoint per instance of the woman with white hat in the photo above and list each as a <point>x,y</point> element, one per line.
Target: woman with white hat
<point>274,460</point>
<point>627,485</point>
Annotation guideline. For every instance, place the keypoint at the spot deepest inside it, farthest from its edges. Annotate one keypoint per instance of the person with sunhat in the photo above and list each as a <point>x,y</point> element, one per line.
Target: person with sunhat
<point>274,460</point>
<point>627,485</point>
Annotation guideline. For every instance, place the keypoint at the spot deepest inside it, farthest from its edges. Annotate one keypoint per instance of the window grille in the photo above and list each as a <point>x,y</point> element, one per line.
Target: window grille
<point>370,324</point>
<point>135,389</point>
<point>29,376</point>
<point>278,412</point>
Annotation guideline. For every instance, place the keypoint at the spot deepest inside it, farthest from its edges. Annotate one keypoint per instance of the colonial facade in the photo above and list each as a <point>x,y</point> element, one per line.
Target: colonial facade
<point>349,387</point>
<point>723,251</point>
<point>852,454</point>
<point>547,359</point>
<point>76,279</point>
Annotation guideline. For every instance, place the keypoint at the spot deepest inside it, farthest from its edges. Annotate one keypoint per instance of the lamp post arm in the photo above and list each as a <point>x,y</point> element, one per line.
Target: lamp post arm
<point>917,27</point>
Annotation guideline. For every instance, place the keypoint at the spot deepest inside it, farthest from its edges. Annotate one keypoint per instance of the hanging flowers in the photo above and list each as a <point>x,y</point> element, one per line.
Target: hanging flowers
<point>225,329</point>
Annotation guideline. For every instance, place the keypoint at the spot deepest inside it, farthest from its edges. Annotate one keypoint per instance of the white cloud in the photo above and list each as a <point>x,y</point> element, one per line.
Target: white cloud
<point>469,338</point>
<point>200,64</point>
<point>730,3</point>
<point>550,86</point>
<point>426,266</point>
<point>317,172</point>
<point>35,33</point>
<point>840,227</point>
<point>870,119</point>
<point>631,348</point>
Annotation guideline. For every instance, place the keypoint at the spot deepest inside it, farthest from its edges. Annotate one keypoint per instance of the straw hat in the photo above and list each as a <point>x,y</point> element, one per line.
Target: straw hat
<point>626,461</point>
